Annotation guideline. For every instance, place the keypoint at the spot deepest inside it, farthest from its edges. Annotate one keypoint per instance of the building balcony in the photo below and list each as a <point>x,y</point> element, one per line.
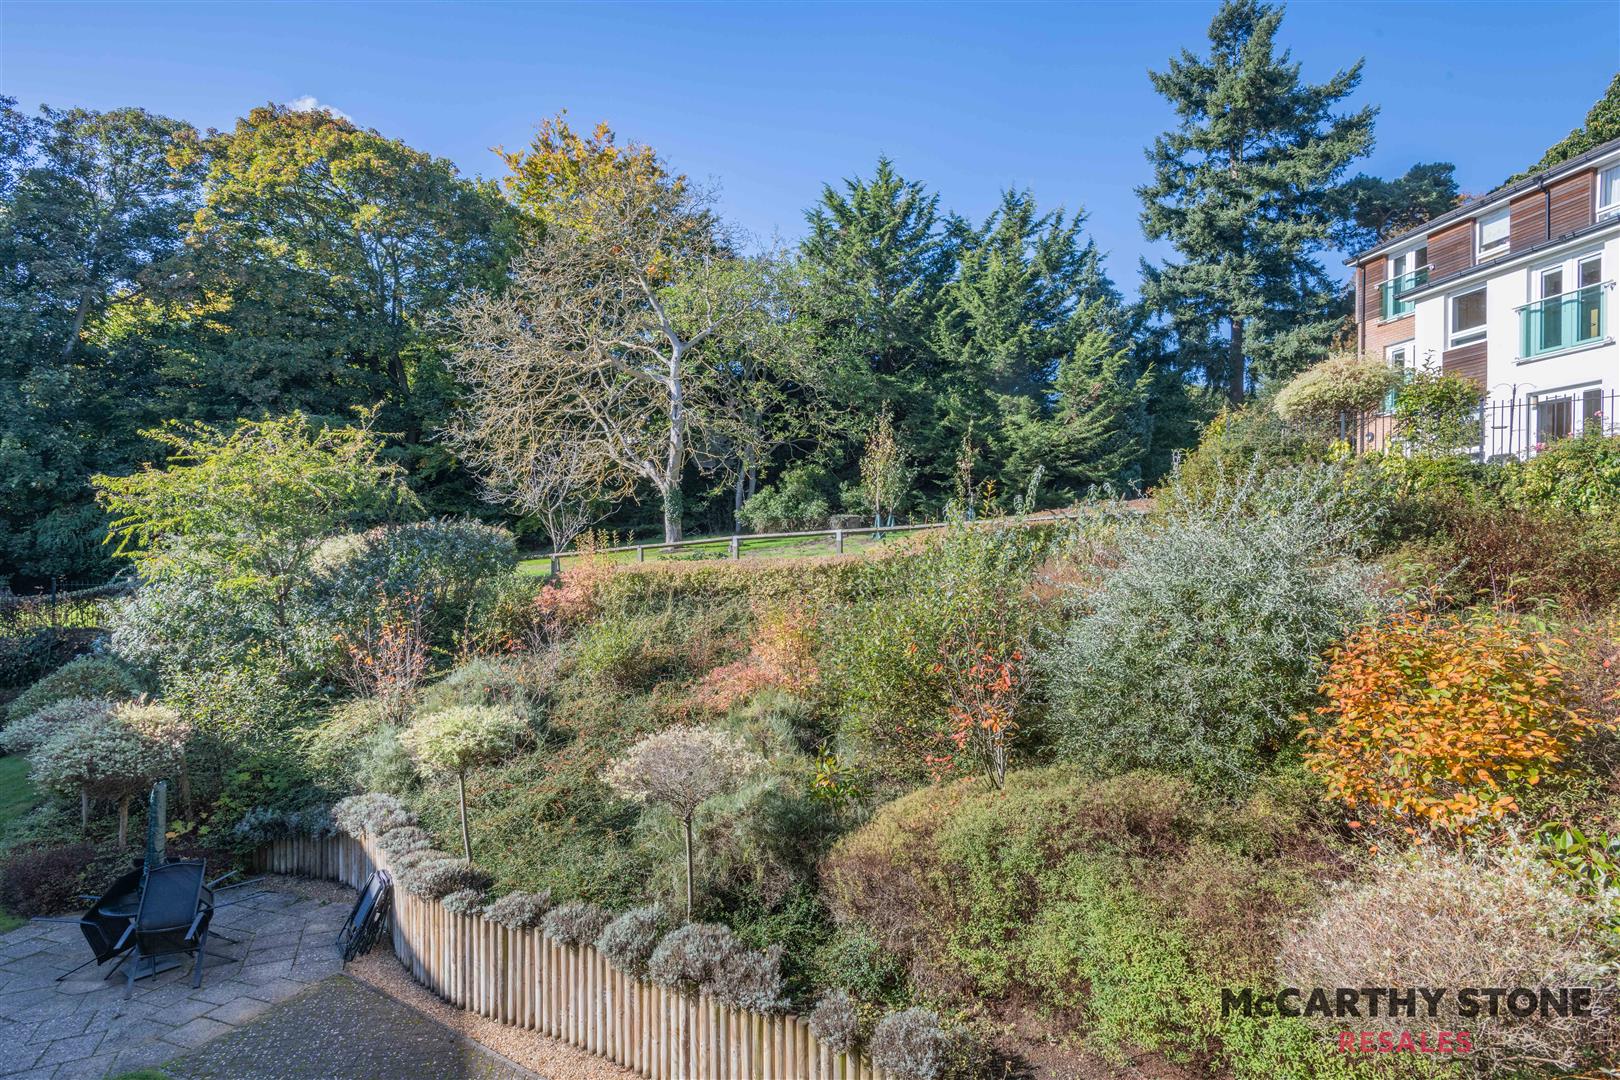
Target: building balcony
<point>1566,321</point>
<point>1392,290</point>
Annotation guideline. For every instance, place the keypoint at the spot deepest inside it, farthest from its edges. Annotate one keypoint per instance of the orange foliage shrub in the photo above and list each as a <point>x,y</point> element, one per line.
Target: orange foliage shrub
<point>780,657</point>
<point>1443,722</point>
<point>572,598</point>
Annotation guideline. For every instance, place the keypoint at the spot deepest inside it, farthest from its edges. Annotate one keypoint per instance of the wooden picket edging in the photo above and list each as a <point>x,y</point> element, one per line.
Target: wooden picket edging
<point>571,992</point>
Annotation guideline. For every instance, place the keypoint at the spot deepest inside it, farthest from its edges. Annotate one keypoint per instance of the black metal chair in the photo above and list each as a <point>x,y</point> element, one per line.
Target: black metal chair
<point>176,907</point>
<point>368,919</point>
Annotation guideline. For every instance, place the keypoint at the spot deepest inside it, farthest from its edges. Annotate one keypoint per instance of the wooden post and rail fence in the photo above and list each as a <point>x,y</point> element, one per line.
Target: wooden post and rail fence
<point>571,992</point>
<point>734,543</point>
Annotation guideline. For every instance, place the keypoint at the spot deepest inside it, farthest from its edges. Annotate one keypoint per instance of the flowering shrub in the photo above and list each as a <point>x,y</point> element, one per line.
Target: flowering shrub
<point>263,824</point>
<point>911,1045</point>
<point>1443,722</point>
<point>520,910</point>
<point>628,941</point>
<point>708,958</point>
<point>464,902</point>
<point>780,657</point>
<point>1444,919</point>
<point>434,879</point>
<point>1581,475</point>
<point>836,1021</point>
<point>86,677</point>
<point>396,842</point>
<point>370,814</point>
<point>575,923</point>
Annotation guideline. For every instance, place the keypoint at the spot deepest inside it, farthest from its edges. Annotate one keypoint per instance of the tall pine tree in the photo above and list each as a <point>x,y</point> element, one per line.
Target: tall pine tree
<point>875,264</point>
<point>1243,188</point>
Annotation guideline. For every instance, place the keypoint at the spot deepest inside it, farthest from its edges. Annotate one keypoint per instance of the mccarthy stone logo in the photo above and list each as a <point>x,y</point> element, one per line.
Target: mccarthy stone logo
<point>1424,1003</point>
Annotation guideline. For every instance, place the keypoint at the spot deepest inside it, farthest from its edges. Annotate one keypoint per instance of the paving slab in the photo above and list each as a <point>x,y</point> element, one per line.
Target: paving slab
<point>82,1028</point>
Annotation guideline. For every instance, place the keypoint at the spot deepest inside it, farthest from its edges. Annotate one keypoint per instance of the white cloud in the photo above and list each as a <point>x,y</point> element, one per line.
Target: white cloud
<point>308,103</point>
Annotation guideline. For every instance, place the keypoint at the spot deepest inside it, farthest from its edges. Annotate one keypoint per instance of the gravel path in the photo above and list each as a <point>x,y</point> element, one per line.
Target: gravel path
<point>342,1030</point>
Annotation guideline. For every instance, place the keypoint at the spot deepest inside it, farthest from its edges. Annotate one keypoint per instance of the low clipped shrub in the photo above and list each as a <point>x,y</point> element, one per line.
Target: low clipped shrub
<point>406,838</point>
<point>412,859</point>
<point>1448,919</point>
<point>575,923</point>
<point>708,958</point>
<point>87,677</point>
<point>434,879</point>
<point>45,880</point>
<point>263,824</point>
<point>511,682</point>
<point>464,902</point>
<point>1199,650</point>
<point>911,1045</point>
<point>836,1021</point>
<point>520,910</point>
<point>371,814</point>
<point>1577,475</point>
<point>1444,722</point>
<point>24,735</point>
<point>628,941</point>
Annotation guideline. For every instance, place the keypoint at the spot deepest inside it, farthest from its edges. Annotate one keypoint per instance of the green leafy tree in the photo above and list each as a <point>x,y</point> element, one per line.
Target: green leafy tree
<point>90,214</point>
<point>320,264</point>
<point>1242,189</point>
<point>249,507</point>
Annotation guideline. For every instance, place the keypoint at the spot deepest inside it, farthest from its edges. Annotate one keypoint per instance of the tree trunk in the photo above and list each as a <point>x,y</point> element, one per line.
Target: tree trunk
<point>688,823</point>
<point>123,821</point>
<point>672,514</point>
<point>461,792</point>
<point>1234,364</point>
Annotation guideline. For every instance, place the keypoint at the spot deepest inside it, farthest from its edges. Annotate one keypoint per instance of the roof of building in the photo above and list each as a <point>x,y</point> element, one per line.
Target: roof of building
<point>1504,192</point>
<point>1484,268</point>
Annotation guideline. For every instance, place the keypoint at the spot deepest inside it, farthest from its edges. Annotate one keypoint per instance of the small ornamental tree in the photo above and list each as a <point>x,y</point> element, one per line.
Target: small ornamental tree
<point>1443,722</point>
<point>1346,384</point>
<point>883,470</point>
<point>456,739</point>
<point>680,769</point>
<point>105,756</point>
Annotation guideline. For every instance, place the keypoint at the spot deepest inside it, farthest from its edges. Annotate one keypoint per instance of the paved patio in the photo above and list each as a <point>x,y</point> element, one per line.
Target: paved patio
<point>82,1028</point>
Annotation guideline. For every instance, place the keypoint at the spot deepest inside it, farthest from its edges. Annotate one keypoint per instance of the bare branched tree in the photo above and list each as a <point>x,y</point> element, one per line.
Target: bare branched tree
<point>604,342</point>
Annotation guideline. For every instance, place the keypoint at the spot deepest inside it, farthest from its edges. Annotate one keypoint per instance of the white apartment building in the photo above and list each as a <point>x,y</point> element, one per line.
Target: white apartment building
<point>1516,291</point>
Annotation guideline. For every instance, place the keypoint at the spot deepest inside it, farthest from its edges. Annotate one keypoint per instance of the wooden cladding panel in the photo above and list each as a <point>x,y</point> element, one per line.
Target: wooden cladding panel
<point>1451,249</point>
<point>1570,204</point>
<point>1528,224</point>
<point>1372,296</point>
<point>1468,361</point>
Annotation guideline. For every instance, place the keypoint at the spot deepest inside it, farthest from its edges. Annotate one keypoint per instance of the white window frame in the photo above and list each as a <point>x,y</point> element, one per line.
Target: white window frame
<point>1612,207</point>
<point>1473,333</point>
<point>1502,247</point>
<point>1574,396</point>
<point>1408,365</point>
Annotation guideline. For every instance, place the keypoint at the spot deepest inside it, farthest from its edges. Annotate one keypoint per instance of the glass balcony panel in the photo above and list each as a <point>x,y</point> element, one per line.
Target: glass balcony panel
<point>1562,322</point>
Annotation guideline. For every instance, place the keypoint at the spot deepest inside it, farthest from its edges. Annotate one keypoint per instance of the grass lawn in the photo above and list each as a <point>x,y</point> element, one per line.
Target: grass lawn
<point>788,548</point>
<point>17,797</point>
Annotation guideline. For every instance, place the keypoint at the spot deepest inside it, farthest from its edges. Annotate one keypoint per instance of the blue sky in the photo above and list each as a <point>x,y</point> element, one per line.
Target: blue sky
<point>772,101</point>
